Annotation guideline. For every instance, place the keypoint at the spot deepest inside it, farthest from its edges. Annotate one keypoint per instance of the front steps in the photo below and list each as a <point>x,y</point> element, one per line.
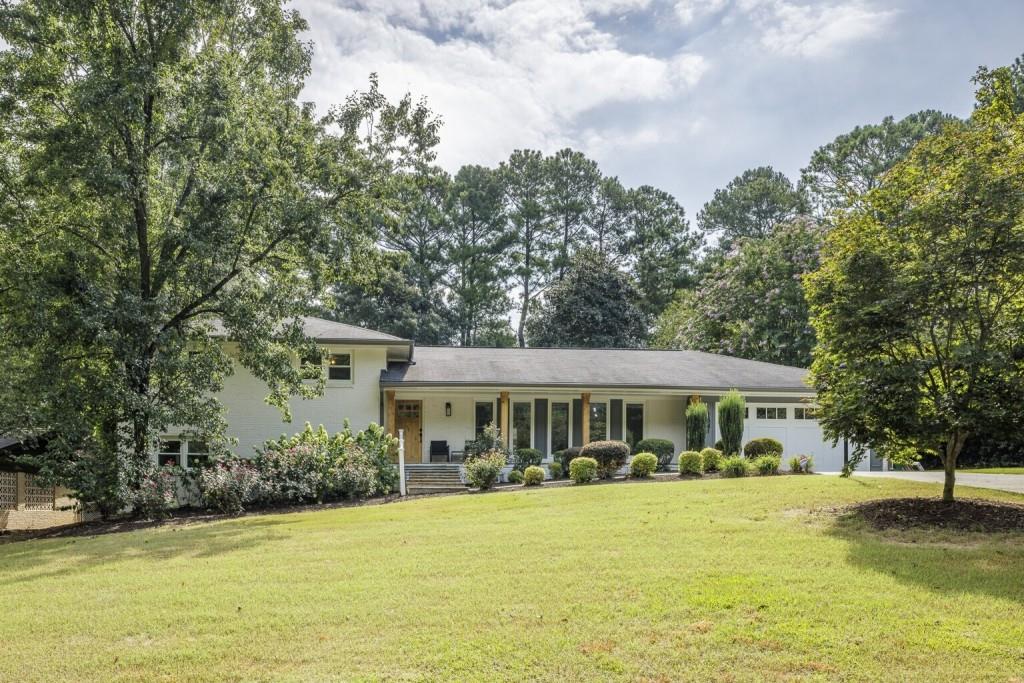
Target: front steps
<point>434,478</point>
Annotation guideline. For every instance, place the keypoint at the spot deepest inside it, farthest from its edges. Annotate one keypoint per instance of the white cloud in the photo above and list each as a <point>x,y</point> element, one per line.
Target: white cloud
<point>689,11</point>
<point>502,76</point>
<point>815,30</point>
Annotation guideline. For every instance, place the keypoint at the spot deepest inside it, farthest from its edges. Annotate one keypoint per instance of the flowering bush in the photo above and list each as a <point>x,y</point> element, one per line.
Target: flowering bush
<point>229,485</point>
<point>483,470</point>
<point>157,491</point>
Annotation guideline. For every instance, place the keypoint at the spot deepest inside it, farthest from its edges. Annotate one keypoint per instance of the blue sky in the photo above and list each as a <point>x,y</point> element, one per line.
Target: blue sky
<point>683,95</point>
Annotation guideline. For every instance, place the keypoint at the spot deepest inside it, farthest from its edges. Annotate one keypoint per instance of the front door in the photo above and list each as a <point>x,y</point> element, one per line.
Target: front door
<point>408,417</point>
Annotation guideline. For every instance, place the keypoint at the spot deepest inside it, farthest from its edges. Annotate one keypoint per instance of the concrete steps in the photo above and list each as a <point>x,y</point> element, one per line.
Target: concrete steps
<point>433,478</point>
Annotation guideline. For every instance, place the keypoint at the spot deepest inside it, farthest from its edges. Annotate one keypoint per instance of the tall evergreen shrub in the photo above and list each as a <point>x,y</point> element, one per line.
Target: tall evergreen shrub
<point>730,421</point>
<point>696,425</point>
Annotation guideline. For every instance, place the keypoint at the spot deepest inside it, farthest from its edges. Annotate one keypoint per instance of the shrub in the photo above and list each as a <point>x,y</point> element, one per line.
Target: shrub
<point>731,409</point>
<point>157,492</point>
<point>582,469</point>
<point>527,457</point>
<point>610,456</point>
<point>567,456</point>
<point>515,477</point>
<point>768,464</point>
<point>690,463</point>
<point>735,466</point>
<point>533,476</point>
<point>799,464</point>
<point>488,441</point>
<point>229,485</point>
<point>643,465</point>
<point>755,448</point>
<point>719,446</point>
<point>696,425</point>
<point>484,469</point>
<point>711,458</point>
<point>662,448</point>
<point>556,469</point>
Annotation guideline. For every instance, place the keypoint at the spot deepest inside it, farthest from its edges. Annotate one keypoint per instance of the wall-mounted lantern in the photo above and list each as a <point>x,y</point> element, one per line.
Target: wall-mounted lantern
<point>447,409</point>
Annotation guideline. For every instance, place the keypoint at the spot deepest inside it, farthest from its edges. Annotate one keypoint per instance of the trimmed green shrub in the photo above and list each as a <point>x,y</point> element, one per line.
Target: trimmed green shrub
<point>711,459</point>
<point>527,457</point>
<point>643,465</point>
<point>515,477</point>
<point>690,463</point>
<point>731,409</point>
<point>567,456</point>
<point>801,464</point>
<point>556,469</point>
<point>755,448</point>
<point>663,449</point>
<point>697,422</point>
<point>719,446</point>
<point>735,466</point>
<point>483,470</point>
<point>610,456</point>
<point>533,476</point>
<point>768,464</point>
<point>582,470</point>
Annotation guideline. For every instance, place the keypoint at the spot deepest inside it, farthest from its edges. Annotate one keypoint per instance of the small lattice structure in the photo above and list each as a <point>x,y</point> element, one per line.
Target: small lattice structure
<point>8,491</point>
<point>37,497</point>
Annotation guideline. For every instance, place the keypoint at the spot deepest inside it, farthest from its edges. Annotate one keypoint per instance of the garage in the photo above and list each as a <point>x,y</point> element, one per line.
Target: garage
<point>798,431</point>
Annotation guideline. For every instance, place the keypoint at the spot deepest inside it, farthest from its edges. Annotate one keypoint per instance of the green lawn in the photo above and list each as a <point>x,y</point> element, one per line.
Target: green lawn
<point>996,470</point>
<point>692,580</point>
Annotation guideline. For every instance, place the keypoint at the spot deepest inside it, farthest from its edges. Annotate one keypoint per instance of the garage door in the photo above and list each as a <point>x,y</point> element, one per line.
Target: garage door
<point>798,437</point>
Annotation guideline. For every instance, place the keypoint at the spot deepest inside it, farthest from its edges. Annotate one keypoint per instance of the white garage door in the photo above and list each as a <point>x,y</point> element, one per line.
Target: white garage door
<point>798,437</point>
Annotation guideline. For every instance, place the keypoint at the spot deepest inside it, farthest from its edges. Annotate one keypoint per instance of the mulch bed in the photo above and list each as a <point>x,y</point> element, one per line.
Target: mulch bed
<point>966,514</point>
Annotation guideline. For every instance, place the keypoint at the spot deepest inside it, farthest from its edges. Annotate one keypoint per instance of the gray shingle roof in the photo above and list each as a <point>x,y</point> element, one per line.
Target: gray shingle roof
<point>591,368</point>
<point>331,331</point>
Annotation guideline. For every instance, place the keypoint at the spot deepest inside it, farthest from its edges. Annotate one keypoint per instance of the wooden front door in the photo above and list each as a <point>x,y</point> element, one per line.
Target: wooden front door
<point>408,416</point>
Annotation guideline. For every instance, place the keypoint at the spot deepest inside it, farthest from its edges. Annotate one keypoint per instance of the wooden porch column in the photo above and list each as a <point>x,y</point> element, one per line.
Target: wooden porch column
<point>389,412</point>
<point>504,419</point>
<point>585,409</point>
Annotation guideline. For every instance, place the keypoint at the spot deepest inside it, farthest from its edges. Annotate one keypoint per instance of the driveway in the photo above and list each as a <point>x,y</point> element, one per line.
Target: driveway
<point>1003,482</point>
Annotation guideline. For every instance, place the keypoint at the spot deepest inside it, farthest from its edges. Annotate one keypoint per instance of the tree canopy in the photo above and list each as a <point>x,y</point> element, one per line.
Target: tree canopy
<point>751,205</point>
<point>919,302</point>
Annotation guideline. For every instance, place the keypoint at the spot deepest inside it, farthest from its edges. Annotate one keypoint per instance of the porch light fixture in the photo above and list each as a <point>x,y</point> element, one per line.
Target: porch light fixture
<point>447,409</point>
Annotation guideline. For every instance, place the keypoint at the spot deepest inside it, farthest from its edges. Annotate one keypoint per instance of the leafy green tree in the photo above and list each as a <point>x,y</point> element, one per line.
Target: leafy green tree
<point>475,255</point>
<point>919,302</point>
<point>753,304</point>
<point>535,243</point>
<point>853,164</point>
<point>660,249</point>
<point>751,205</point>
<point>572,183</point>
<point>158,174</point>
<point>594,305</point>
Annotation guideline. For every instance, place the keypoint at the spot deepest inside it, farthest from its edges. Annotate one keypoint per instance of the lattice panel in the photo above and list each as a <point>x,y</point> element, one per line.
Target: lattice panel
<point>8,491</point>
<point>37,497</point>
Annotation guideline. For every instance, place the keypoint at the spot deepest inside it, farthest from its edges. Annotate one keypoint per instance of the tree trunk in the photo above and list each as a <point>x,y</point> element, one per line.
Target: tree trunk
<point>521,332</point>
<point>953,448</point>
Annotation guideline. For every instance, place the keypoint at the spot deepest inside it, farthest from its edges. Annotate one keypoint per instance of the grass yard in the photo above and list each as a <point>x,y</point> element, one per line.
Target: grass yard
<point>726,580</point>
<point>996,470</point>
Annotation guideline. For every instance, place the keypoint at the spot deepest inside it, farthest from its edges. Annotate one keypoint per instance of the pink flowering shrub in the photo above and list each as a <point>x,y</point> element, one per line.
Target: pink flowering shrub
<point>157,490</point>
<point>229,485</point>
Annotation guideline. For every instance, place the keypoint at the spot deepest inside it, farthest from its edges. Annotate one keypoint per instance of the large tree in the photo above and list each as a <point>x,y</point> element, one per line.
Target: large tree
<point>919,303</point>
<point>753,305</point>
<point>535,243</point>
<point>607,217</point>
<point>158,174</point>
<point>595,305</point>
<point>572,185</point>
<point>751,205</point>
<point>853,164</point>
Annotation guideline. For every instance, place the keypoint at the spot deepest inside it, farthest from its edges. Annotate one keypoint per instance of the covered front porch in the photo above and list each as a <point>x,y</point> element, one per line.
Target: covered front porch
<point>439,423</point>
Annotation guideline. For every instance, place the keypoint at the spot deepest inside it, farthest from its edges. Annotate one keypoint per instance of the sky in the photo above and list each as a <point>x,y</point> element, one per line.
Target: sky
<point>683,95</point>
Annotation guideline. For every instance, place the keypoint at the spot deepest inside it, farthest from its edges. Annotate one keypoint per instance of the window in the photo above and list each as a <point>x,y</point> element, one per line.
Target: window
<point>198,454</point>
<point>170,453</point>
<point>598,421</point>
<point>339,366</point>
<point>521,425</point>
<point>484,416</point>
<point>804,414</point>
<point>634,423</point>
<point>559,426</point>
<point>771,413</point>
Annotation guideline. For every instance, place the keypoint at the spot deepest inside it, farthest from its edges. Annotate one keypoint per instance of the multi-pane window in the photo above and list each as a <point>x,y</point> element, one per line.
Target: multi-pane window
<point>598,421</point>
<point>804,414</point>
<point>183,452</point>
<point>484,416</point>
<point>170,453</point>
<point>521,424</point>
<point>771,413</point>
<point>339,366</point>
<point>559,426</point>
<point>634,423</point>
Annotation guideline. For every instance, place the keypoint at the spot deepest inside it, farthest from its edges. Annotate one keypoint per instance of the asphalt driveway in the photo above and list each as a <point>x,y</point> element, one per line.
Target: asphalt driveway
<point>1003,482</point>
